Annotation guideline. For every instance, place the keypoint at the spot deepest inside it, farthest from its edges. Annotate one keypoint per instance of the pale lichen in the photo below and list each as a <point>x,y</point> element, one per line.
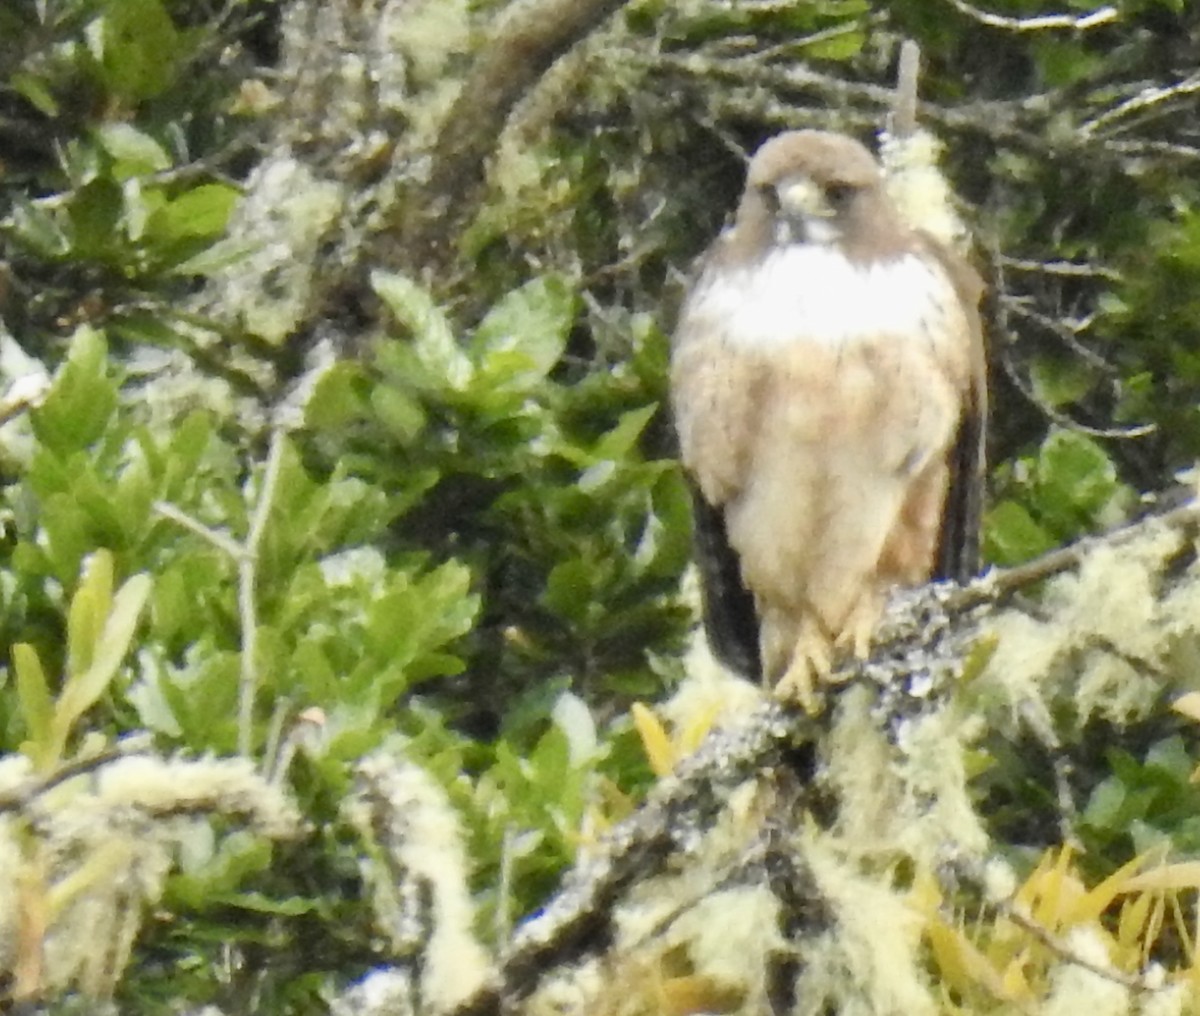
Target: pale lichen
<point>918,187</point>
<point>92,852</point>
<point>1075,988</point>
<point>870,960</point>
<point>417,872</point>
<point>285,214</point>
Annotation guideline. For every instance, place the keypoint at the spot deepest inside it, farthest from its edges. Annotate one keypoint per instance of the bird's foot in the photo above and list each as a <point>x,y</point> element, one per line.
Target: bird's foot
<point>810,667</point>
<point>858,632</point>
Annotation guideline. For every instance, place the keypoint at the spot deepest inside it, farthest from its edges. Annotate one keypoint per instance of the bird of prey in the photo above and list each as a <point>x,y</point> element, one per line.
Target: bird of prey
<point>828,384</point>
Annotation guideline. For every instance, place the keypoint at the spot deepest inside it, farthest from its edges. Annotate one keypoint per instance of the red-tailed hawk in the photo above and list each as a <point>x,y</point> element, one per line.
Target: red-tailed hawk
<point>828,383</point>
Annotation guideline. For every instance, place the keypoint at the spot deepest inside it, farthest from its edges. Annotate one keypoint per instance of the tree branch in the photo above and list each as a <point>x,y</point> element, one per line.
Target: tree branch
<point>531,36</point>
<point>1076,23</point>
<point>925,644</point>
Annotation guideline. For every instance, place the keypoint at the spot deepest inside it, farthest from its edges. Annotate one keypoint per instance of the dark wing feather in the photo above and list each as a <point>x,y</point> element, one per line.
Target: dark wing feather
<point>730,620</point>
<point>958,543</point>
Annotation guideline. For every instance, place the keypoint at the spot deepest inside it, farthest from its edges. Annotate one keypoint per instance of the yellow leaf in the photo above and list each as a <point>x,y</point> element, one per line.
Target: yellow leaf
<point>1093,903</point>
<point>1188,705</point>
<point>978,658</point>
<point>695,993</point>
<point>697,728</point>
<point>960,963</point>
<point>925,896</point>
<point>1013,983</point>
<point>1031,887</point>
<point>1153,925</point>
<point>655,742</point>
<point>1051,889</point>
<point>100,866</point>
<point>32,921</point>
<point>1168,878</point>
<point>1133,920</point>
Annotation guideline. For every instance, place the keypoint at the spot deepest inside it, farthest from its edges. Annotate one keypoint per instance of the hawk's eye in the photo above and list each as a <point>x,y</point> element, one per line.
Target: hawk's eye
<point>770,197</point>
<point>839,195</point>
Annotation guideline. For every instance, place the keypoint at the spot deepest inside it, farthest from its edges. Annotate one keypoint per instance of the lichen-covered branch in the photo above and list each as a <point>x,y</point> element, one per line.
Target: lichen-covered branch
<point>530,37</point>
<point>879,779</point>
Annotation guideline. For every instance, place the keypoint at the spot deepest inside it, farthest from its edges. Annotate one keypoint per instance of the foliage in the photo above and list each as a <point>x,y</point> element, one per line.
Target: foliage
<point>462,541</point>
<point>1111,930</point>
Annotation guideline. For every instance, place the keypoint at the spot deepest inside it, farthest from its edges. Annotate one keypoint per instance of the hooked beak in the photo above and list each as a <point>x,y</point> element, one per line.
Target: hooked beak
<point>805,215</point>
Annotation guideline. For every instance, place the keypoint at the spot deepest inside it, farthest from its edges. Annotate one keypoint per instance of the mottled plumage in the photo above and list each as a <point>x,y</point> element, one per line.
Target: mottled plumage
<point>829,392</point>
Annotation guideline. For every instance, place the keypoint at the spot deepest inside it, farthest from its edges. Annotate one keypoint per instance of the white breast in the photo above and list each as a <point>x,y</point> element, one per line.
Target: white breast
<point>813,293</point>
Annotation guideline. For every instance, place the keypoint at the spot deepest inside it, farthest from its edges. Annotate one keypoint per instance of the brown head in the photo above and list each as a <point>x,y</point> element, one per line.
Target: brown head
<point>817,187</point>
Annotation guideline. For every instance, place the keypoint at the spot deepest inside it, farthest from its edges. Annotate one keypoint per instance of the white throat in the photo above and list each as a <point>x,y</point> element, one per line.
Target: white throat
<point>814,293</point>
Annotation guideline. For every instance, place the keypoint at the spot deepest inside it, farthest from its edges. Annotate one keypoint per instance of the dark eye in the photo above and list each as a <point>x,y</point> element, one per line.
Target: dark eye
<point>770,197</point>
<point>839,194</point>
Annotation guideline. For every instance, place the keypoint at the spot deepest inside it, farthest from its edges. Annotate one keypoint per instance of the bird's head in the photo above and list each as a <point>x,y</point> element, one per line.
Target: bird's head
<point>813,187</point>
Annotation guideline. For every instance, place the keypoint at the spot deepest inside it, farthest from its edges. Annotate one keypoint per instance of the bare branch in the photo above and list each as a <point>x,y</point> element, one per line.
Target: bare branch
<point>531,36</point>
<point>1078,23</point>
<point>1146,99</point>
<point>245,554</point>
<point>19,797</point>
<point>247,591</point>
<point>904,112</point>
<point>223,543</point>
<point>1072,269</point>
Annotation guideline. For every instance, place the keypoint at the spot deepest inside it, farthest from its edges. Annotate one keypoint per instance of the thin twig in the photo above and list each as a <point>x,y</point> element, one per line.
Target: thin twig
<point>1000,583</point>
<point>1145,99</point>
<point>1059,328</point>
<point>1071,269</point>
<point>247,592</point>
<point>904,111</point>
<point>1069,955</point>
<point>21,796</point>
<point>1079,23</point>
<point>245,554</point>
<point>223,543</point>
<point>1023,386</point>
<point>23,394</point>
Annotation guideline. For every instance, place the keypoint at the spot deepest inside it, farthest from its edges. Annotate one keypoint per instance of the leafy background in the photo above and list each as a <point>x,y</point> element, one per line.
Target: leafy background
<point>476,534</point>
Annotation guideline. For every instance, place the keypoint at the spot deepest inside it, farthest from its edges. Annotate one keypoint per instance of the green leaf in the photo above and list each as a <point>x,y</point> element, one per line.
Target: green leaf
<point>1171,757</point>
<point>81,401</point>
<point>83,691</point>
<point>1074,477</point>
<point>37,707</point>
<point>399,413</point>
<point>208,879</point>
<point>95,215</point>
<point>619,442</point>
<point>1011,535</point>
<point>200,212</point>
<point>39,229</point>
<point>523,336</point>
<point>568,589</point>
<point>433,340</point>
<point>1058,381</point>
<point>88,611</point>
<point>338,398</point>
<point>840,45</point>
<point>136,151</point>
<point>216,258</point>
<point>139,46</point>
<point>1106,805</point>
<point>37,92</point>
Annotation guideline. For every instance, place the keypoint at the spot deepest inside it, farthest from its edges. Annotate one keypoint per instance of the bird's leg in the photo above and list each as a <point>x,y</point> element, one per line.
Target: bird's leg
<point>858,630</point>
<point>810,665</point>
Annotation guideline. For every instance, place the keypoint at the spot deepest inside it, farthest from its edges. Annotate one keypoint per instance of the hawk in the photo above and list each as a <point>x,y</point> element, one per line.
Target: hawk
<point>828,385</point>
